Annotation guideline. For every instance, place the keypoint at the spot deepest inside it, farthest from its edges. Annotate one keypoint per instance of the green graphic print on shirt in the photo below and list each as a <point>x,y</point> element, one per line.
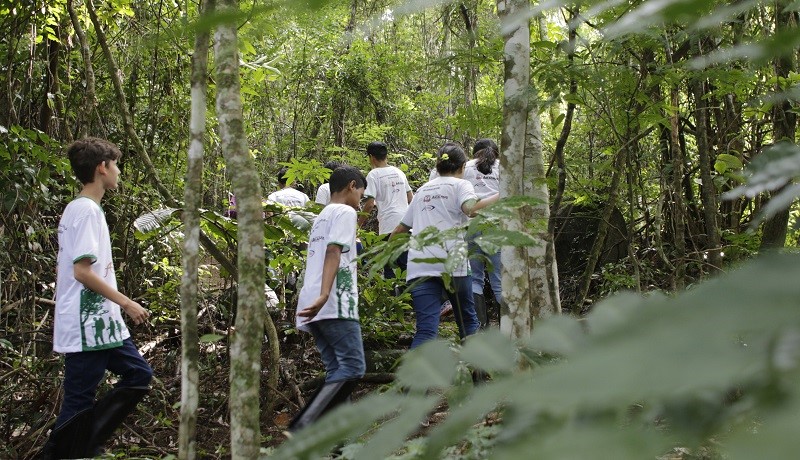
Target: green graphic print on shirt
<point>99,330</point>
<point>344,288</point>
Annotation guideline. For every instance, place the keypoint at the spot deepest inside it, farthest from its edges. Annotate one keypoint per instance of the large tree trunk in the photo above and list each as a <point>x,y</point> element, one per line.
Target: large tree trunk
<point>193,201</point>
<point>516,318</point>
<point>784,123</point>
<point>245,350</point>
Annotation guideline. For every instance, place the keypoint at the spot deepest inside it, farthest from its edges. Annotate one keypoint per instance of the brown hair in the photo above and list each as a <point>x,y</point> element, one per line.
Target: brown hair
<point>85,154</point>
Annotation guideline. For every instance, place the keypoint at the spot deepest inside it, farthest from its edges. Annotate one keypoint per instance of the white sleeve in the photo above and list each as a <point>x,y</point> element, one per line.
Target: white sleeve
<point>372,187</point>
<point>343,228</point>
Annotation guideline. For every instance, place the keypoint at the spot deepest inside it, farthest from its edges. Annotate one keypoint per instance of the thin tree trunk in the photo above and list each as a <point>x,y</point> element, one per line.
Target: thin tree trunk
<point>708,191</point>
<point>127,121</point>
<point>245,349</point>
<point>567,127</point>
<point>784,123</point>
<point>193,198</point>
<point>678,216</point>
<point>596,251</point>
<point>89,100</point>
<point>541,260</point>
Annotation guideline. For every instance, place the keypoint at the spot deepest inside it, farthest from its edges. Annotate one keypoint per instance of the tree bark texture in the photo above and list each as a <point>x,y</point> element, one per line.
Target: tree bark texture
<point>245,349</point>
<point>708,191</point>
<point>515,312</point>
<point>676,197</point>
<point>193,200</point>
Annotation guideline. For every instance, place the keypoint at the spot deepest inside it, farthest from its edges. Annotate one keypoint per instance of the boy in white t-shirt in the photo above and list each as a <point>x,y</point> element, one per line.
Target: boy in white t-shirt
<point>89,327</point>
<point>287,195</point>
<point>389,191</point>
<point>327,306</point>
<point>291,197</point>
<point>323,195</point>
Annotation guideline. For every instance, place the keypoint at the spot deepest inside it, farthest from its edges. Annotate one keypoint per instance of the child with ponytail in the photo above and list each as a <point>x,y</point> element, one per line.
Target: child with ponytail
<point>444,203</point>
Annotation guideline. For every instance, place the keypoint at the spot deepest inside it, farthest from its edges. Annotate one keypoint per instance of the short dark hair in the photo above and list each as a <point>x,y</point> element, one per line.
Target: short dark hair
<point>282,176</point>
<point>332,165</point>
<point>485,152</point>
<point>377,150</point>
<point>450,158</point>
<point>85,154</point>
<point>343,175</point>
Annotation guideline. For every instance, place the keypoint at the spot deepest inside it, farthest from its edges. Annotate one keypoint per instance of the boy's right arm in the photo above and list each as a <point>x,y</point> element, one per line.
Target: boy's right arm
<point>82,270</point>
<point>330,267</point>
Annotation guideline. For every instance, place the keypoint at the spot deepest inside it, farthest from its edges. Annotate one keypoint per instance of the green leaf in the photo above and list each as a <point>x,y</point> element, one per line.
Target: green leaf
<point>559,335</point>
<point>490,351</point>
<point>412,411</point>
<point>432,365</point>
<point>211,338</point>
<point>727,162</point>
<point>774,168</point>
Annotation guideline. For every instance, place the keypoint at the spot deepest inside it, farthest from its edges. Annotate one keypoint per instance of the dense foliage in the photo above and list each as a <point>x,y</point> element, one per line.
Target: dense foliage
<point>661,110</point>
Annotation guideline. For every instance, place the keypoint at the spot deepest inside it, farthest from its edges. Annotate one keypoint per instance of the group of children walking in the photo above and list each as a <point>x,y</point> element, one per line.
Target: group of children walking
<point>328,301</point>
<point>90,330</point>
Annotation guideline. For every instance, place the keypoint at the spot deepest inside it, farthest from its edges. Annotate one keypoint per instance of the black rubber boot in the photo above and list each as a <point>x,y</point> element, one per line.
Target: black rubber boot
<point>70,440</point>
<point>110,412</point>
<point>480,310</point>
<point>328,396</point>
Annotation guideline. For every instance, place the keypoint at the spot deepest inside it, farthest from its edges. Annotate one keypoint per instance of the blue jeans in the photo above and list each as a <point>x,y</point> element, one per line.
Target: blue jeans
<point>339,343</point>
<point>427,297</point>
<point>477,265</point>
<point>84,370</point>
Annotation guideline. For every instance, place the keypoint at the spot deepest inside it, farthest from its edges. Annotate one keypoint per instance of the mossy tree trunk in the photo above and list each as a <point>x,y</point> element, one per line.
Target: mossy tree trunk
<point>526,288</point>
<point>245,346</point>
<point>193,200</point>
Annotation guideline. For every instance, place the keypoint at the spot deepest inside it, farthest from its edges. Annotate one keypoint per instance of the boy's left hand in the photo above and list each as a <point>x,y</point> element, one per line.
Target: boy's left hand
<point>311,311</point>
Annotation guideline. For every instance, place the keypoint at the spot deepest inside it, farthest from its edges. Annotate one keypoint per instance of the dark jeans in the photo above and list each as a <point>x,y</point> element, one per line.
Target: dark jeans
<point>342,350</point>
<point>402,262</point>
<point>427,298</point>
<point>83,372</point>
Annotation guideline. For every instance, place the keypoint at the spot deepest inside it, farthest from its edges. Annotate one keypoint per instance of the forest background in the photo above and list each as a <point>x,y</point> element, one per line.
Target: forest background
<point>664,133</point>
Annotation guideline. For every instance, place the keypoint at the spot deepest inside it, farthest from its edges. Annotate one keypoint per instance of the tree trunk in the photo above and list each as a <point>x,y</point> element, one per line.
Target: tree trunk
<point>515,315</point>
<point>89,100</point>
<point>676,197</point>
<point>561,170</point>
<point>246,339</point>
<point>784,123</point>
<point>708,191</point>
<point>193,201</point>
<point>541,260</point>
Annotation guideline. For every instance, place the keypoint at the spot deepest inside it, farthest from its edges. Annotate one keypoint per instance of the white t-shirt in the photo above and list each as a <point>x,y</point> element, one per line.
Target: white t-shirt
<point>485,185</point>
<point>336,224</point>
<point>85,320</point>
<point>389,187</point>
<point>438,204</point>
<point>289,197</point>
<point>323,194</point>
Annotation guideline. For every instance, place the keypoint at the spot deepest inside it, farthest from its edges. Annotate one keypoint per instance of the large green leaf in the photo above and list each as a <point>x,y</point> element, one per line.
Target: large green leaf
<point>432,365</point>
